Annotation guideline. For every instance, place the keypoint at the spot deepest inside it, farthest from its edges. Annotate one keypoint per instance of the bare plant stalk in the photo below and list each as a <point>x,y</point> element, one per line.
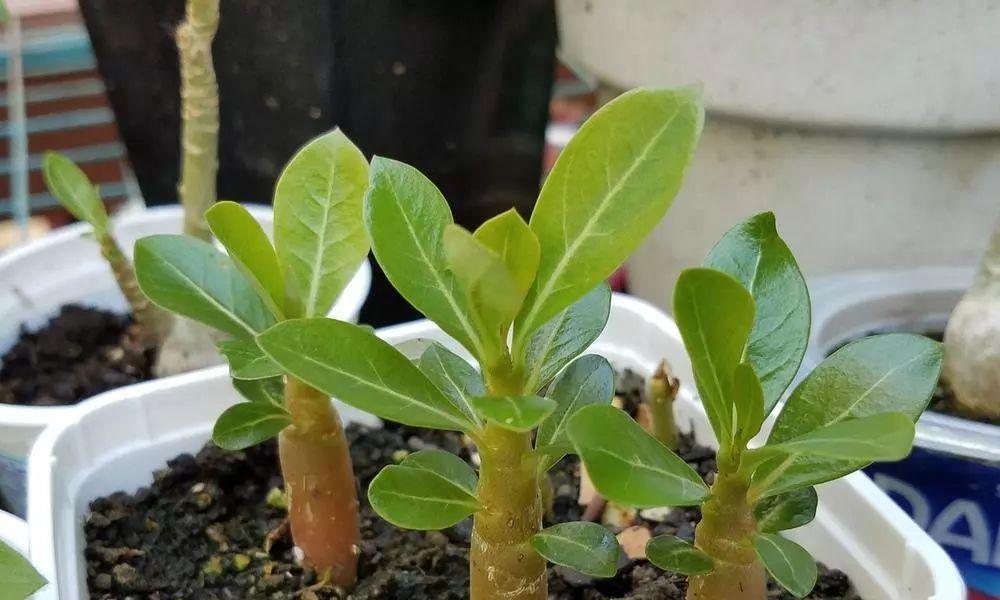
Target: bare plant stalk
<point>503,565</point>
<point>153,321</point>
<point>662,391</point>
<point>199,115</point>
<point>726,534</point>
<point>319,484</point>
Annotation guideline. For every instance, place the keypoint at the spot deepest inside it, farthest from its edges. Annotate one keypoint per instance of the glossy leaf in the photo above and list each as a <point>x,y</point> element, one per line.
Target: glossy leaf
<point>565,336</point>
<point>192,278</point>
<point>747,396</point>
<point>71,186</point>
<point>758,258</point>
<point>262,390</point>
<point>628,465</point>
<point>671,553</point>
<point>247,361</point>
<point>251,251</point>
<point>457,379</point>
<point>582,546</point>
<point>515,243</point>
<point>417,498</point>
<point>885,437</point>
<point>787,562</point>
<point>587,380</point>
<point>319,234</point>
<point>784,474</point>
<point>714,314</point>
<point>516,413</point>
<point>609,188</point>
<point>249,423</point>
<point>786,511</point>
<point>351,364</point>
<point>18,578</point>
<point>406,217</point>
<point>445,465</point>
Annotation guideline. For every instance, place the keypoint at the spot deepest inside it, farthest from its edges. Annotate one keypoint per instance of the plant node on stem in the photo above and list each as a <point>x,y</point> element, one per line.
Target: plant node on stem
<point>663,387</point>
<point>319,479</point>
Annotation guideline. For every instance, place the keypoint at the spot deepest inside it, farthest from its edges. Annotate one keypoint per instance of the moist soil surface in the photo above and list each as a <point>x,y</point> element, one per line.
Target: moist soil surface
<point>78,353</point>
<point>206,530</point>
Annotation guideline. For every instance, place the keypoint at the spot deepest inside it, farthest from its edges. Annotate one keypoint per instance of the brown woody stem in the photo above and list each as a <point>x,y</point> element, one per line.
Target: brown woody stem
<point>199,115</point>
<point>152,320</point>
<point>663,389</point>
<point>319,483</point>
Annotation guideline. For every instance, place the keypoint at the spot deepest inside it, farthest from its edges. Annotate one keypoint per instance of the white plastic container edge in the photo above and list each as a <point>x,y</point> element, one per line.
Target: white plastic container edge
<point>115,441</point>
<point>14,532</point>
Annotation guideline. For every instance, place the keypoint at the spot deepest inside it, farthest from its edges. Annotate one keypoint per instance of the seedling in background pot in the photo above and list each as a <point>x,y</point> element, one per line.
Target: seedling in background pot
<point>539,286</point>
<point>319,243</point>
<point>744,318</point>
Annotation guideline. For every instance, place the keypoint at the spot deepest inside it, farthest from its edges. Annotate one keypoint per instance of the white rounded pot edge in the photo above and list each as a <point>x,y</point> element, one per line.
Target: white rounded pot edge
<point>95,452</point>
<point>14,532</point>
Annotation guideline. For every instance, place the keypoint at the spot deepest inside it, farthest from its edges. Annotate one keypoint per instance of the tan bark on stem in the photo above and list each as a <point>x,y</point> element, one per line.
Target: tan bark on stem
<point>663,389</point>
<point>319,484</point>
<point>152,320</point>
<point>199,115</point>
<point>726,534</point>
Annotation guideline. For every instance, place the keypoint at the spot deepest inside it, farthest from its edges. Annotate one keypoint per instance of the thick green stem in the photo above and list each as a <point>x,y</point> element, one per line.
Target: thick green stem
<point>152,320</point>
<point>662,391</point>
<point>319,483</point>
<point>726,534</point>
<point>502,563</point>
<point>199,115</point>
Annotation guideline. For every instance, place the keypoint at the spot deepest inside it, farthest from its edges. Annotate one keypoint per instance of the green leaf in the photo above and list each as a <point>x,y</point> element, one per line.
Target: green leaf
<point>251,251</point>
<point>758,258</point>
<point>516,413</point>
<point>18,579</point>
<point>515,243</point>
<point>587,380</point>
<point>262,390</point>
<point>789,564</point>
<point>319,233</point>
<point>351,364</point>
<point>445,465</point>
<point>457,379</point>
<point>406,217</point>
<point>714,314</point>
<point>71,186</point>
<point>565,336</point>
<point>417,498</point>
<point>585,547</point>
<point>609,188</point>
<point>885,436</point>
<point>247,361</point>
<point>747,397</point>
<point>249,423</point>
<point>628,465</point>
<point>671,553</point>
<point>190,277</point>
<point>786,511</point>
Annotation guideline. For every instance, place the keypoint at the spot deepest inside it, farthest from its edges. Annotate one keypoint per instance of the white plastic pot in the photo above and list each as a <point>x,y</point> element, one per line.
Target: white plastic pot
<point>66,267</point>
<point>115,441</point>
<point>14,532</point>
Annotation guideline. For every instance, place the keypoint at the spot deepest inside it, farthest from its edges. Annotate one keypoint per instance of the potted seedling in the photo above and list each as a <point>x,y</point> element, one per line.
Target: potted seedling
<point>319,243</point>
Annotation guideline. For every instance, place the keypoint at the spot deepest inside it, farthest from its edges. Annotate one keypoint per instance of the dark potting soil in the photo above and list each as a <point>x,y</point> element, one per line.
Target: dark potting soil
<point>199,532</point>
<point>78,353</point>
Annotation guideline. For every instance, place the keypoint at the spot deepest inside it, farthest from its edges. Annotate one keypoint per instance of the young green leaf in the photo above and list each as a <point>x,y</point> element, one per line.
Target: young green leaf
<point>516,413</point>
<point>714,314</point>
<point>613,445</point>
<point>515,243</point>
<point>747,397</point>
<point>789,564</point>
<point>753,253</point>
<point>587,380</point>
<point>18,579</point>
<point>190,277</point>
<point>262,390</point>
<point>249,423</point>
<point>565,336</point>
<point>671,553</point>
<point>318,232</point>
<point>585,547</point>
<point>445,465</point>
<point>786,511</point>
<point>406,216</point>
<point>251,251</point>
<point>881,437</point>
<point>418,498</point>
<point>71,186</point>
<point>247,361</point>
<point>352,364</point>
<point>457,379</point>
<point>609,188</point>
